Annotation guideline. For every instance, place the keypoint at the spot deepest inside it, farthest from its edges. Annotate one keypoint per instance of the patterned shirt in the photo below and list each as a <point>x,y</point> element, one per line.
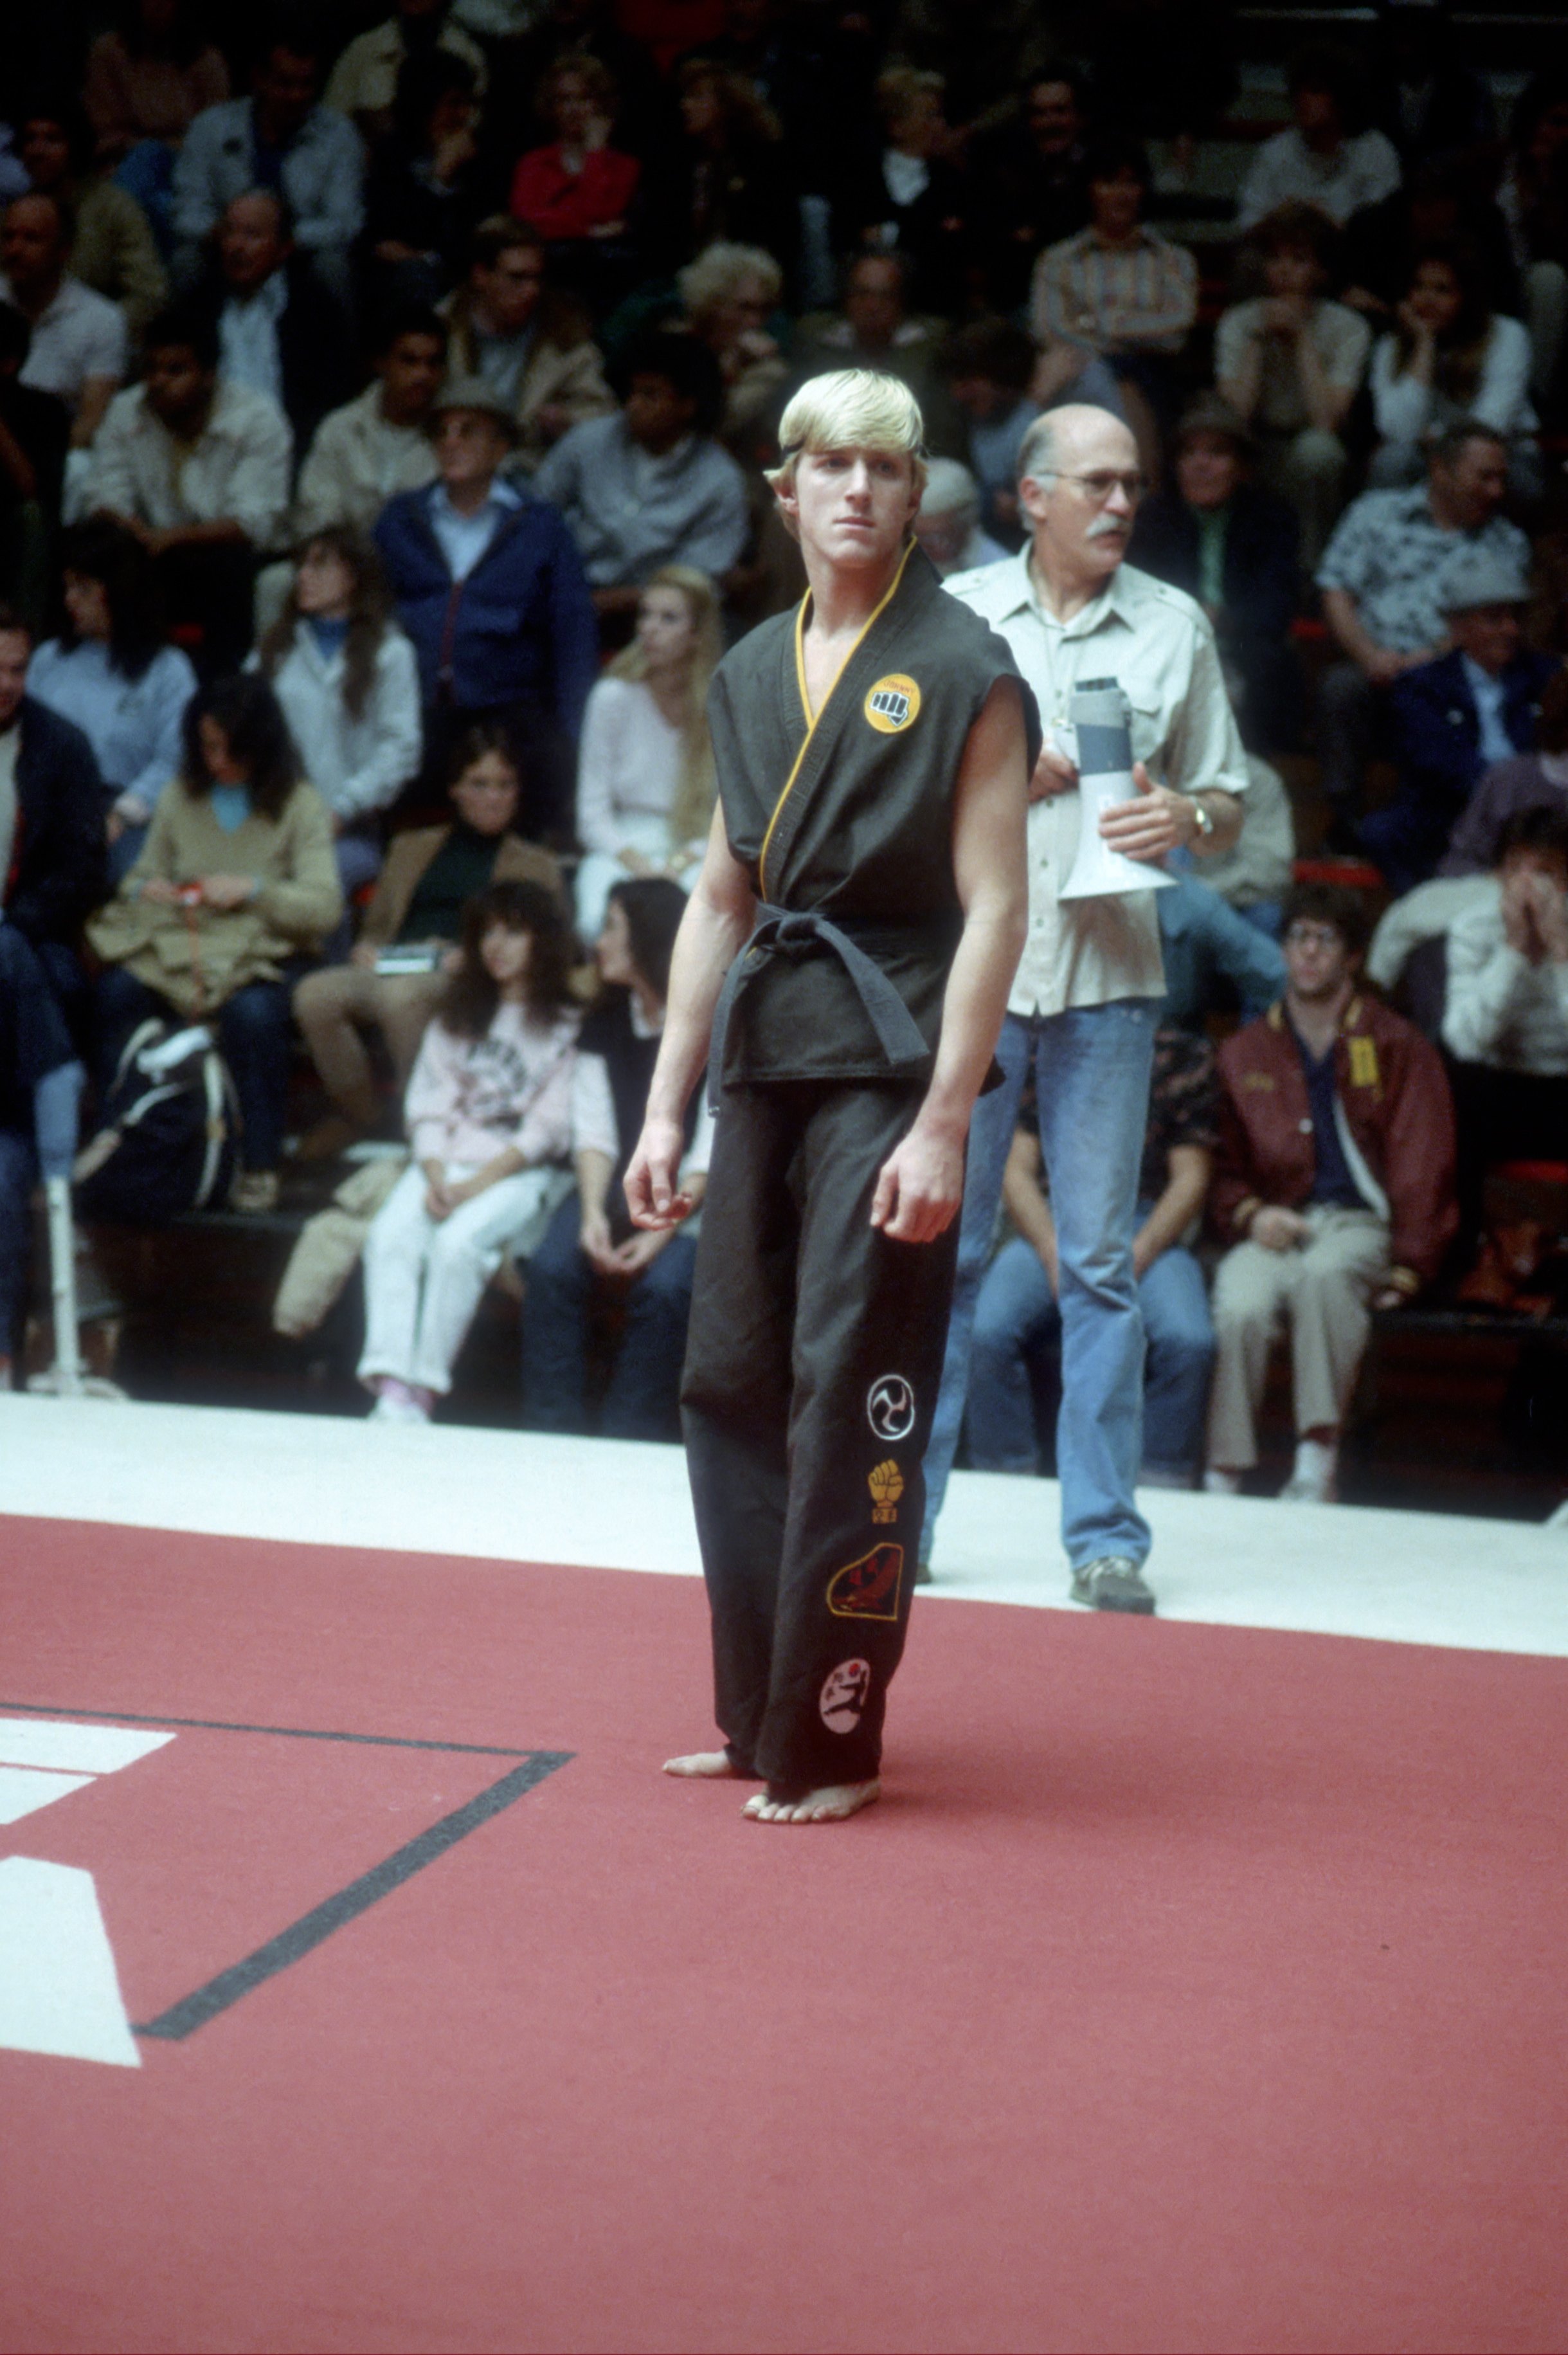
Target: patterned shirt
<point>1138,297</point>
<point>1389,552</point>
<point>1183,1104</point>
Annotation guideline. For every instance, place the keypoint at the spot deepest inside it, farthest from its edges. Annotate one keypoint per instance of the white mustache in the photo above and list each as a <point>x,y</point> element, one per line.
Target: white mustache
<point>1103,526</point>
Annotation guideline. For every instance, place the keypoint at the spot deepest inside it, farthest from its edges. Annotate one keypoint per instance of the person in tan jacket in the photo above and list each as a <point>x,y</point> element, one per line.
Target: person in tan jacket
<point>408,943</point>
<point>531,345</point>
<point>233,893</point>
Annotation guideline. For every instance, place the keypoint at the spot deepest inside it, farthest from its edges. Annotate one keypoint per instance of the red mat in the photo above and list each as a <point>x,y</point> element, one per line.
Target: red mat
<point>1193,1987</point>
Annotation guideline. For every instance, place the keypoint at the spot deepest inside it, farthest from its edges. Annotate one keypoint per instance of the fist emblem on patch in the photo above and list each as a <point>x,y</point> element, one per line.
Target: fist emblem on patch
<point>869,1588</point>
<point>886,1486</point>
<point>893,704</point>
<point>845,1692</point>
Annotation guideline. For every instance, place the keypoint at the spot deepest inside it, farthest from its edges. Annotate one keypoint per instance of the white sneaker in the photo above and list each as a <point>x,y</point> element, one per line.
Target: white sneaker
<point>391,1409</point>
<point>1315,1477</point>
<point>1218,1482</point>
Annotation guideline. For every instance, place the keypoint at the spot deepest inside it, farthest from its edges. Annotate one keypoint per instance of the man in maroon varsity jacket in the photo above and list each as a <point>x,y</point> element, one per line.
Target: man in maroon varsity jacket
<point>1334,1187</point>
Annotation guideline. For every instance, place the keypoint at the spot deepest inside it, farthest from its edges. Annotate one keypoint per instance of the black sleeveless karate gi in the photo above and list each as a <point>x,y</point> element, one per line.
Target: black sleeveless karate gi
<point>816,1343</point>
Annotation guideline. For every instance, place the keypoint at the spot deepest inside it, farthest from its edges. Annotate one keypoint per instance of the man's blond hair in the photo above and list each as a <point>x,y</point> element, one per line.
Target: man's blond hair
<point>853,409</point>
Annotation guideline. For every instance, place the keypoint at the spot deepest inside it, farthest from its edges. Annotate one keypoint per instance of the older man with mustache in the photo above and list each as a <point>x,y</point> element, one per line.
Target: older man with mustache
<point>1085,1002</point>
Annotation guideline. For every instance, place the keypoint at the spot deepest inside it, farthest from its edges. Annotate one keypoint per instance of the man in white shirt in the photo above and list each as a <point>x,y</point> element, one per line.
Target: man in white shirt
<point>378,443</point>
<point>77,351</point>
<point>364,82</point>
<point>1086,1000</point>
<point>1314,161</point>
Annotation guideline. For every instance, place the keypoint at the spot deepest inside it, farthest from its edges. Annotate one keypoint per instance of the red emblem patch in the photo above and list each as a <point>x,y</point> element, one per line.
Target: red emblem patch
<point>868,1589</point>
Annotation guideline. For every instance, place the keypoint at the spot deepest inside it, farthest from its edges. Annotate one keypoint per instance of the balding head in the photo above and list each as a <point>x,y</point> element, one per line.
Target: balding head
<point>1079,485</point>
<point>253,239</point>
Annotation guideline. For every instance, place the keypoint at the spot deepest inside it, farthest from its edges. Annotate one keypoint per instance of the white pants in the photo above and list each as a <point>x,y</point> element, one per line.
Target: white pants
<point>423,1276</point>
<point>599,870</point>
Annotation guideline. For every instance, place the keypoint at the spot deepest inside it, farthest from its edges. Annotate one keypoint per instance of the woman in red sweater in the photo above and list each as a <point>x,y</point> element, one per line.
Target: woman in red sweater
<point>579,186</point>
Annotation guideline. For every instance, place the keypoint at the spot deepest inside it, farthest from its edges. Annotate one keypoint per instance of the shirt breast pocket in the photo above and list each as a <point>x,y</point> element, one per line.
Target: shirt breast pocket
<point>1147,726</point>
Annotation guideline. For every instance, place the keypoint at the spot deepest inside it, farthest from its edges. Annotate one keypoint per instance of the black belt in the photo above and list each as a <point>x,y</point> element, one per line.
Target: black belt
<point>778,929</point>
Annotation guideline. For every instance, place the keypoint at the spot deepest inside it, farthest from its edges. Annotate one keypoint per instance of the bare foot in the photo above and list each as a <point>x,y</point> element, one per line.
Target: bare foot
<point>704,1762</point>
<point>830,1805</point>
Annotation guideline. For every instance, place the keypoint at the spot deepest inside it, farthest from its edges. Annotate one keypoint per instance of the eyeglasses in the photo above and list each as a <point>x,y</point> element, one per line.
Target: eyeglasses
<point>1104,481</point>
<point>1311,936</point>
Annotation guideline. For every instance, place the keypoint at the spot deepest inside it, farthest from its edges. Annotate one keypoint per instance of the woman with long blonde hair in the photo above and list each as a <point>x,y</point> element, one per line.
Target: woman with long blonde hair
<point>645,770</point>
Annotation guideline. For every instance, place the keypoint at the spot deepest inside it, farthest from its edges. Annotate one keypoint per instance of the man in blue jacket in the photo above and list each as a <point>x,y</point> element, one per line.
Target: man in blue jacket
<point>1453,717</point>
<point>492,590</point>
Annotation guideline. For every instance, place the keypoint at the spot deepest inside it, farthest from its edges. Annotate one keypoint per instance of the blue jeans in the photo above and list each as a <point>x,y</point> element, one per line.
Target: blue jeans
<point>1092,1067</point>
<point>642,1400</point>
<point>1017,1317</point>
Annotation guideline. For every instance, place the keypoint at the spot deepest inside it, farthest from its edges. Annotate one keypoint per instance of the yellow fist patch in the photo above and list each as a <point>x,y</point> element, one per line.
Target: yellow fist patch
<point>886,1486</point>
<point>893,704</point>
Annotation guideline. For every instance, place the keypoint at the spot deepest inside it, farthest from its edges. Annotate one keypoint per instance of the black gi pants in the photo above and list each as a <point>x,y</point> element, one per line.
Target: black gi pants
<point>812,1369</point>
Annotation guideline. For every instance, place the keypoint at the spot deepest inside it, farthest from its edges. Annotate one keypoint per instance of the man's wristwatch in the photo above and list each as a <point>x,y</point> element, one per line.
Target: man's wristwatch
<point>1200,820</point>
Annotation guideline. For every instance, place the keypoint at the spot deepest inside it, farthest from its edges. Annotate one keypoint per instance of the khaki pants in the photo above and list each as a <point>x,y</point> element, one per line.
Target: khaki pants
<point>331,1006</point>
<point>1321,1292</point>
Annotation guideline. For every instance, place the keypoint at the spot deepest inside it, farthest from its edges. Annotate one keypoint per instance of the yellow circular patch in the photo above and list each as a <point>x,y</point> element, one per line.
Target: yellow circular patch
<point>893,704</point>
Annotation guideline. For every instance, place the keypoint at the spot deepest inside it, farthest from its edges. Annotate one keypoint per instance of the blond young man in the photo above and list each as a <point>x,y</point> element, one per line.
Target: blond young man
<point>844,966</point>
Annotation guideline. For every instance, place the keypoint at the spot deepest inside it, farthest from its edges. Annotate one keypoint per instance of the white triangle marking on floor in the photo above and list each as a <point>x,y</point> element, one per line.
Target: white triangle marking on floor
<point>24,1790</point>
<point>60,1991</point>
<point>78,1749</point>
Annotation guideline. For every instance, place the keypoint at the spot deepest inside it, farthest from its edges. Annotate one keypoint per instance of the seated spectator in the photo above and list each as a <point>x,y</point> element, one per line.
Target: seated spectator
<point>197,468</point>
<point>378,443</point>
<point>721,177</point>
<point>489,1112</point>
<point>579,186</point>
<point>907,198</point>
<point>349,685</point>
<point>51,821</point>
<point>363,84</point>
<point>1450,356</point>
<point>423,193</point>
<point>1532,197</point>
<point>728,295</point>
<point>591,1245</point>
<point>948,526</point>
<point>1234,547</point>
<point>1017,1314</point>
<point>112,672</point>
<point>490,588</point>
<point>1451,719</point>
<point>278,331</point>
<point>531,345</point>
<point>77,348</point>
<point>1535,780</point>
<point>1290,363</point>
<point>149,76</point>
<point>34,433</point>
<point>1117,285</point>
<point>645,767</point>
<point>1253,876</point>
<point>113,251</point>
<point>1032,188</point>
<point>40,1088</point>
<point>1215,958</point>
<point>233,894</point>
<point>278,137</point>
<point>651,486</point>
<point>1318,161</point>
<point>1001,383</point>
<point>872,329</point>
<point>416,908</point>
<point>1334,1190</point>
<point>1442,204</point>
<point>1505,1020</point>
<point>1381,578</point>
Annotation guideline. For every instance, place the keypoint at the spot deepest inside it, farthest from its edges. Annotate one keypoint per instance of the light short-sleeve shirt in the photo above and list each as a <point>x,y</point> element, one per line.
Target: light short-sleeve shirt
<point>81,335</point>
<point>1341,337</point>
<point>1389,552</point>
<point>1156,642</point>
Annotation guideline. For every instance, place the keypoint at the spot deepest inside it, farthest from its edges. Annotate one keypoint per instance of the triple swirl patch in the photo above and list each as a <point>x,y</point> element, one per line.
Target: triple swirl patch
<point>893,704</point>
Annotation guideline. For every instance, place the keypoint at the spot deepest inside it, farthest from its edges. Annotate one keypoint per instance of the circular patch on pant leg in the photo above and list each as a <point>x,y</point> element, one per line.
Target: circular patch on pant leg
<point>845,1692</point>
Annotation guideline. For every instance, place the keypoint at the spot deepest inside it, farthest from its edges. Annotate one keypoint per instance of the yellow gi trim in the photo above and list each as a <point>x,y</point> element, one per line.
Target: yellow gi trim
<point>813,717</point>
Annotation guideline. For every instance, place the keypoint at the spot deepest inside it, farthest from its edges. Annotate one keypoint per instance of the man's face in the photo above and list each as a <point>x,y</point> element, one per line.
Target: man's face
<point>250,243</point>
<point>1490,634</point>
<point>1317,113</point>
<point>31,245</point>
<point>178,387</point>
<point>656,414</point>
<point>853,507</point>
<point>411,369</point>
<point>1476,485</point>
<point>1053,119</point>
<point>873,305</point>
<point>1207,469</point>
<point>1317,962</point>
<point>1082,514</point>
<point>45,151</point>
<point>1117,203</point>
<point>15,651</point>
<point>507,291</point>
<point>285,88</point>
<point>470,446</point>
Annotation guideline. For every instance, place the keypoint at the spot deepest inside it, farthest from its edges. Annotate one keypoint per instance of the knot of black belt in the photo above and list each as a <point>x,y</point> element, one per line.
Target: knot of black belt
<point>779,930</point>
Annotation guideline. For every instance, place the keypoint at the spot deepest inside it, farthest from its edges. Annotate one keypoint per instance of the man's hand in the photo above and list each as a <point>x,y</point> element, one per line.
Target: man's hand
<point>1153,823</point>
<point>1383,666</point>
<point>637,1251</point>
<point>226,891</point>
<point>1278,1230</point>
<point>921,1186</point>
<point>653,1177</point>
<point>1054,774</point>
<point>1391,1296</point>
<point>161,891</point>
<point>594,1238</point>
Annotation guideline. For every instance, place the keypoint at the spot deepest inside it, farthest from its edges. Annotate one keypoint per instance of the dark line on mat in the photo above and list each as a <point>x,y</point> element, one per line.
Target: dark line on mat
<point>289,1732</point>
<point>183,2019</point>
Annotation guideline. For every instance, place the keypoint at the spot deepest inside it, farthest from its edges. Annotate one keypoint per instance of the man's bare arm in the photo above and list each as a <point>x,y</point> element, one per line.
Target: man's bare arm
<point>717,924</point>
<point>921,1184</point>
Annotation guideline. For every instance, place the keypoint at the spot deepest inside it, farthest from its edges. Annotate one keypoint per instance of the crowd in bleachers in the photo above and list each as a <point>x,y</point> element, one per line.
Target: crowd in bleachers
<point>383,408</point>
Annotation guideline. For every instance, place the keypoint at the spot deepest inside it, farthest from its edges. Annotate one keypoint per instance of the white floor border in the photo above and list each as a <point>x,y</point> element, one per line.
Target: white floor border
<point>509,1496</point>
